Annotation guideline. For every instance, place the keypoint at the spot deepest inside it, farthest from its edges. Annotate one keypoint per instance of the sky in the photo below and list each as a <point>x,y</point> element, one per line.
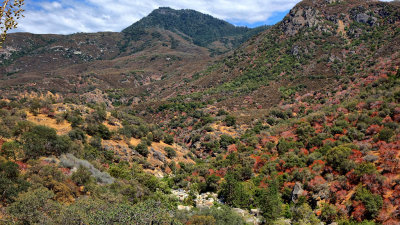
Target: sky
<point>72,16</point>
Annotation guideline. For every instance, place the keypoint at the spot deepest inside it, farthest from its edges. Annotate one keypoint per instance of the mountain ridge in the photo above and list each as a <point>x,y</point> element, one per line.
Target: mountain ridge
<point>201,28</point>
<point>26,58</point>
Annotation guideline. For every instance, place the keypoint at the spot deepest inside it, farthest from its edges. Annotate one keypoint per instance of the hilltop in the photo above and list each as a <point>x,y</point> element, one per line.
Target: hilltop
<point>203,30</point>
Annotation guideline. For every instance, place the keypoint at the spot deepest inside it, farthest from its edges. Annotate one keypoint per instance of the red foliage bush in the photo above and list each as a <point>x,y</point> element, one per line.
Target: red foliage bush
<point>373,129</point>
<point>359,210</point>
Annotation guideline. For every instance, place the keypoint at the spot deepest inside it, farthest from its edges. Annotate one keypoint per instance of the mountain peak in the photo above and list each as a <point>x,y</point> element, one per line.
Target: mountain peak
<point>201,28</point>
<point>165,11</point>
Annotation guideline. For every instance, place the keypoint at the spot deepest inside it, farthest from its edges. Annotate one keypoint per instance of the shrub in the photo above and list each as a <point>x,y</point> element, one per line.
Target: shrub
<point>171,153</point>
<point>230,120</point>
<point>43,141</point>
<point>104,132</point>
<point>338,158</point>
<point>202,220</point>
<point>142,149</point>
<point>81,176</point>
<point>10,182</point>
<point>373,203</point>
<point>226,140</point>
<point>9,149</point>
<point>157,135</point>
<point>385,134</point>
<point>168,139</point>
<point>304,131</point>
<point>222,112</point>
<point>328,213</point>
<point>285,145</point>
<point>77,134</point>
<point>146,141</point>
<point>365,168</point>
<point>303,214</point>
<point>31,206</point>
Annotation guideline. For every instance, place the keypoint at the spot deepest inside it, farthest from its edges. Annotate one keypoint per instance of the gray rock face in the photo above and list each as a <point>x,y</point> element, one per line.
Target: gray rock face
<point>300,18</point>
<point>297,191</point>
<point>365,18</point>
<point>70,161</point>
<point>295,50</point>
<point>158,155</point>
<point>371,158</point>
<point>333,1</point>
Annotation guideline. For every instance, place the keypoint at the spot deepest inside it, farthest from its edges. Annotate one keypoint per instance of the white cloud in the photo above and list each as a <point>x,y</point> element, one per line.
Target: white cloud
<point>70,16</point>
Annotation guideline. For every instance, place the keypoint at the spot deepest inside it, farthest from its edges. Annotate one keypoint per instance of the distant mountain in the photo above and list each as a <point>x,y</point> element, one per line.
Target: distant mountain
<point>168,44</point>
<point>204,30</point>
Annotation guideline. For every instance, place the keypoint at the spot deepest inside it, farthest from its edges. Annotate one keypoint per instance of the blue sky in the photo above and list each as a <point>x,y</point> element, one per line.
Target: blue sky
<point>71,16</point>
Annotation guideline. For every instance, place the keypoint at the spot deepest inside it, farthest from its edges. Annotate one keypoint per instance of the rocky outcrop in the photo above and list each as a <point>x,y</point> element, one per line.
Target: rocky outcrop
<point>158,155</point>
<point>299,18</point>
<point>70,161</point>
<point>297,191</point>
<point>249,217</point>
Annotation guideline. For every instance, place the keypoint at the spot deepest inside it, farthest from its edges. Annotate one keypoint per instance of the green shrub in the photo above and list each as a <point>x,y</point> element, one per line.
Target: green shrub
<point>9,149</point>
<point>230,120</point>
<point>43,141</point>
<point>168,139</point>
<point>31,207</point>
<point>10,182</point>
<point>338,158</point>
<point>373,203</point>
<point>142,149</point>
<point>81,176</point>
<point>104,132</point>
<point>77,134</point>
<point>226,140</point>
<point>385,134</point>
<point>171,153</point>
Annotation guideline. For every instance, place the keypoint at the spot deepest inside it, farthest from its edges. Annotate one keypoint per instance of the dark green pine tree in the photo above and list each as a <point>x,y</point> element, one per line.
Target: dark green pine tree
<point>233,192</point>
<point>271,202</point>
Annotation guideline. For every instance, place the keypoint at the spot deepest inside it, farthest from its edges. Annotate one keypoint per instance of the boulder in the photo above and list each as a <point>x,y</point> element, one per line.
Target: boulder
<point>184,208</point>
<point>297,191</point>
<point>158,156</point>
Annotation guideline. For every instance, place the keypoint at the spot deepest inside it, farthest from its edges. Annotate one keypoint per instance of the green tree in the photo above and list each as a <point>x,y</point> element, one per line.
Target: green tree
<point>81,176</point>
<point>9,149</point>
<point>10,181</point>
<point>43,141</point>
<point>142,149</point>
<point>171,153</point>
<point>233,192</point>
<point>338,158</point>
<point>373,202</point>
<point>31,206</point>
<point>230,120</point>
<point>270,201</point>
